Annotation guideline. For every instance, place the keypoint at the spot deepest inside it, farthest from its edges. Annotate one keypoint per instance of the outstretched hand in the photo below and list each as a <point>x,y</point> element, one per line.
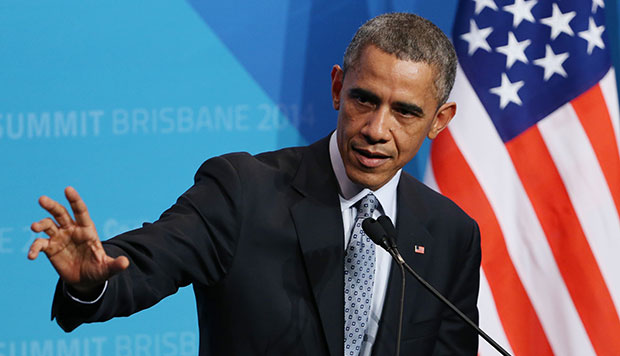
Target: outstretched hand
<point>73,246</point>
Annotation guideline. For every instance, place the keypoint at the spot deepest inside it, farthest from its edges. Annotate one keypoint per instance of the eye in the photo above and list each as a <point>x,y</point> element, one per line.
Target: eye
<point>408,110</point>
<point>362,99</point>
<point>405,112</point>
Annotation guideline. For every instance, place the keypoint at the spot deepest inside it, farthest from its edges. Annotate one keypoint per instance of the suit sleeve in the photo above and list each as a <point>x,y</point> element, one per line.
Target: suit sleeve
<point>455,336</point>
<point>194,241</point>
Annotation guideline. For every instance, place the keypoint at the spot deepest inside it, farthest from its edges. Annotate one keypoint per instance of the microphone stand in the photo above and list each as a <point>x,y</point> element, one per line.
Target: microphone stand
<point>382,232</point>
<point>402,306</point>
<point>399,259</point>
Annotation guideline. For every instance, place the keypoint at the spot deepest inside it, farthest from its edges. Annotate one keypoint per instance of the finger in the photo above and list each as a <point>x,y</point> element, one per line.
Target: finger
<point>47,225</point>
<point>58,211</point>
<point>118,264</point>
<point>80,212</point>
<point>37,246</point>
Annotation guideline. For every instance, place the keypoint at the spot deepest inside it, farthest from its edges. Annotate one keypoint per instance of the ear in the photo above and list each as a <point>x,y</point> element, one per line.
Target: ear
<point>443,116</point>
<point>337,78</point>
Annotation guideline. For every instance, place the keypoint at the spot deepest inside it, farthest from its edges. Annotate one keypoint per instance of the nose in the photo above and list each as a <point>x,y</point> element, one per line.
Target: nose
<point>377,127</point>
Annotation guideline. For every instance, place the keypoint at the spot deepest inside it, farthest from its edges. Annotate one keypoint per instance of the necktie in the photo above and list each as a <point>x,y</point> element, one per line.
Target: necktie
<point>359,278</point>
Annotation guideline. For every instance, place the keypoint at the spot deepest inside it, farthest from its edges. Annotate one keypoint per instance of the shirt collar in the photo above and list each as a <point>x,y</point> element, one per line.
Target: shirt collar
<point>350,193</point>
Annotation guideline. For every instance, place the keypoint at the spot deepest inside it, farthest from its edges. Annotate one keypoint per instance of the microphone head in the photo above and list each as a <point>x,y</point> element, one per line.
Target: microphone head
<point>375,231</point>
<point>390,230</point>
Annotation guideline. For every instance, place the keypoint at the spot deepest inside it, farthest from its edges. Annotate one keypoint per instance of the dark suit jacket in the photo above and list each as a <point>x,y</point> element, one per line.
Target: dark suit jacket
<point>261,240</point>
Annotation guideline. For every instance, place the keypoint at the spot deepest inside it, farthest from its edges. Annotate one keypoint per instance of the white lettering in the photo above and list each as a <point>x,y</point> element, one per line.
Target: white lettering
<point>169,344</point>
<point>140,119</point>
<point>166,119</point>
<point>32,235</point>
<point>143,345</point>
<point>184,119</point>
<point>123,345</point>
<point>65,124</point>
<point>154,121</point>
<point>98,341</point>
<point>120,122</point>
<point>293,116</point>
<point>265,123</point>
<point>281,116</point>
<point>71,349</point>
<point>145,121</point>
<point>96,115</point>
<point>38,127</point>
<point>241,115</point>
<point>224,118</point>
<point>204,119</point>
<point>188,343</point>
<point>46,124</point>
<point>308,116</point>
<point>11,133</point>
<point>83,124</point>
<point>4,240</point>
<point>37,350</point>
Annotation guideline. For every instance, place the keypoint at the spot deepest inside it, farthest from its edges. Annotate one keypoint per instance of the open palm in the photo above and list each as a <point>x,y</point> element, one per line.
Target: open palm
<point>73,246</point>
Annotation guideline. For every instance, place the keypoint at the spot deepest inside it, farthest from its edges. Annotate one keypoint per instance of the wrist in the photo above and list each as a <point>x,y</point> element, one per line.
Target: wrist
<point>85,295</point>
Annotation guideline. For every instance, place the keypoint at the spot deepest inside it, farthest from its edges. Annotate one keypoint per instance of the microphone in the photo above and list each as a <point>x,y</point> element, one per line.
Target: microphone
<point>380,236</point>
<point>384,230</point>
<point>389,228</point>
<point>377,233</point>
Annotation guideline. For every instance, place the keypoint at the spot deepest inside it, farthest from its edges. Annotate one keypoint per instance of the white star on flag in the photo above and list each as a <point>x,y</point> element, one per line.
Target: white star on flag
<point>507,92</point>
<point>552,63</point>
<point>559,22</point>
<point>514,50</point>
<point>482,4</point>
<point>477,37</point>
<point>521,10</point>
<point>593,36</point>
<point>596,4</point>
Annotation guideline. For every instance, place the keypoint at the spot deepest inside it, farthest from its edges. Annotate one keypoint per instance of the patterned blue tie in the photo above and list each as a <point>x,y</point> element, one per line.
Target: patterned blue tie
<point>359,278</point>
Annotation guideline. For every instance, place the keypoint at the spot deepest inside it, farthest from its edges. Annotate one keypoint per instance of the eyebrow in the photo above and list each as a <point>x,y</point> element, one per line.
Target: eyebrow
<point>366,94</point>
<point>372,97</point>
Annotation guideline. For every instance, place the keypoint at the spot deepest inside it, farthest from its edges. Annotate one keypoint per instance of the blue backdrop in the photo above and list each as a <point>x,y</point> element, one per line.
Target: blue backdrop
<point>124,99</point>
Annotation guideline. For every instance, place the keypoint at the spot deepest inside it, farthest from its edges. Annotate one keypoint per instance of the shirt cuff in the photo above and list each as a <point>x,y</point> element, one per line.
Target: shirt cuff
<point>64,288</point>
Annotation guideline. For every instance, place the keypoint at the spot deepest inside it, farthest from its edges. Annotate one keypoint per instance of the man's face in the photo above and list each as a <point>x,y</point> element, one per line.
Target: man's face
<point>387,107</point>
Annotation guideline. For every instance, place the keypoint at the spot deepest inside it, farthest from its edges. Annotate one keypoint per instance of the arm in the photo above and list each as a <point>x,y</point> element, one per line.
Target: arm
<point>192,242</point>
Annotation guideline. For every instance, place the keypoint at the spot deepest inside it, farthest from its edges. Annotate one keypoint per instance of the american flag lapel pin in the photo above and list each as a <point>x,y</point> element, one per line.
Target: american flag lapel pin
<point>418,249</point>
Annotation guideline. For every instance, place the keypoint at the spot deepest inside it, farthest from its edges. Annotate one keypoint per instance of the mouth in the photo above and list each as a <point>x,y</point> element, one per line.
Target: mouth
<point>369,158</point>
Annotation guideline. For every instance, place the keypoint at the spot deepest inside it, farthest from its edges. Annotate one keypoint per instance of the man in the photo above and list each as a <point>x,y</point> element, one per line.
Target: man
<point>272,243</point>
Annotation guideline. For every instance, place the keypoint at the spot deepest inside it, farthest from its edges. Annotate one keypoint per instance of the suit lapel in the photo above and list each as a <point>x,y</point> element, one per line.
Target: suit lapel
<point>318,222</point>
<point>411,233</point>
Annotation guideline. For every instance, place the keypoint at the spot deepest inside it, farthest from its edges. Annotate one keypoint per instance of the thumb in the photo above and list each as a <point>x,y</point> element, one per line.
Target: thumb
<point>116,265</point>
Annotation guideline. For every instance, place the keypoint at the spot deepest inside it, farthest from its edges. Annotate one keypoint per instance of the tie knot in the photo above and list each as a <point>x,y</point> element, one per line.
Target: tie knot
<point>367,206</point>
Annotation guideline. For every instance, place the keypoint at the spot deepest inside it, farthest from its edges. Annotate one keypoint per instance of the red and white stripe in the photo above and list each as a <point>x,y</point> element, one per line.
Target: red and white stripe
<point>548,205</point>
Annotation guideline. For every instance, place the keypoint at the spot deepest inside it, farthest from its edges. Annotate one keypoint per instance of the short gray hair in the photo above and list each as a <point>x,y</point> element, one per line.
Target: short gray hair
<point>408,37</point>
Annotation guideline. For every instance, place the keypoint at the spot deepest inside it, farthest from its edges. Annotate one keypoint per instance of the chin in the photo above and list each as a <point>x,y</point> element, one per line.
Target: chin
<point>363,179</point>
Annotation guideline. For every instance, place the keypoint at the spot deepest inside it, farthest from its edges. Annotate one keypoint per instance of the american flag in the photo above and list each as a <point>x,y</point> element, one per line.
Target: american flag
<point>533,156</point>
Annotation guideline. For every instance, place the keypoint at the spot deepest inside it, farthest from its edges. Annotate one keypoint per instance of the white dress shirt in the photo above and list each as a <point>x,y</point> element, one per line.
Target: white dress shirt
<point>350,194</point>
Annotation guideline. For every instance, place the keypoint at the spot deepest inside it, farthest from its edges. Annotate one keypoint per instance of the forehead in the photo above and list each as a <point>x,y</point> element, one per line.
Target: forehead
<point>384,73</point>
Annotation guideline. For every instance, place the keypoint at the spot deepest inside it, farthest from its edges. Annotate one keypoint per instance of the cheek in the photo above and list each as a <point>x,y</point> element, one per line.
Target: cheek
<point>408,145</point>
<point>349,125</point>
